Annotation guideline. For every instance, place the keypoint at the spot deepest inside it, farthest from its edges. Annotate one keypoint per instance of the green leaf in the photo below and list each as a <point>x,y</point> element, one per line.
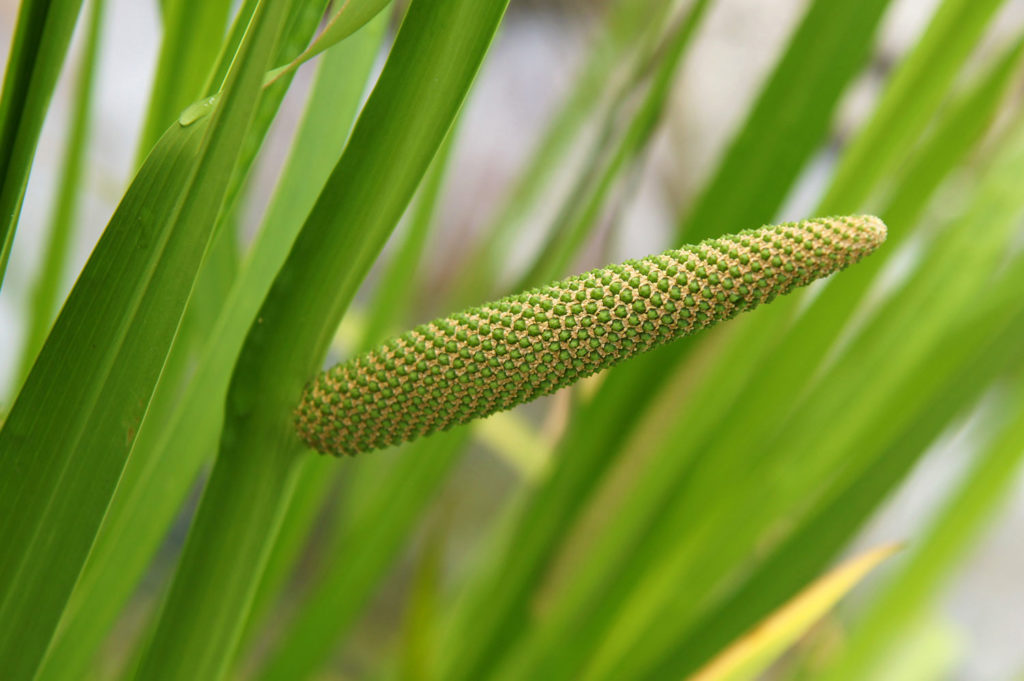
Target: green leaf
<point>703,462</point>
<point>316,150</point>
<point>741,382</point>
<point>626,22</point>
<point>72,426</point>
<point>579,215</point>
<point>432,64</point>
<point>192,36</point>
<point>389,302</point>
<point>41,40</point>
<point>789,120</point>
<point>169,452</point>
<point>338,597</point>
<point>957,130</point>
<point>45,291</point>
<point>51,478</point>
<point>937,553</point>
<point>397,287</point>
<point>370,540</point>
<point>300,25</point>
<point>909,99</point>
<point>229,46</point>
<point>923,359</point>
<point>318,482</point>
<point>785,126</point>
<point>350,16</point>
<point>830,525</point>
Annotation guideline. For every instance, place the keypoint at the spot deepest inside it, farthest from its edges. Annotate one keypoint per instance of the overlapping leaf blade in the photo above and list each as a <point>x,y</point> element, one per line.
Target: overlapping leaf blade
<point>192,35</point>
<point>180,435</point>
<point>71,428</point>
<point>431,66</point>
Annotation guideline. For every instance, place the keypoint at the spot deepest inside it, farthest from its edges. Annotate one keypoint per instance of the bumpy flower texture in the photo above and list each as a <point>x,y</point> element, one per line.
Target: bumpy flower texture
<point>491,358</point>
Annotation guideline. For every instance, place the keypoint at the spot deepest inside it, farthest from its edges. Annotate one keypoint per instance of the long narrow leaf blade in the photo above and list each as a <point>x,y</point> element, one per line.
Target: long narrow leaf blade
<point>40,42</point>
<point>168,454</point>
<point>52,492</point>
<point>45,292</point>
<point>72,426</point>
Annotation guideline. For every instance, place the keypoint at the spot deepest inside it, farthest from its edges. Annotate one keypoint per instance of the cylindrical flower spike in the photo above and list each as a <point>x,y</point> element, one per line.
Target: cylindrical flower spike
<point>492,358</point>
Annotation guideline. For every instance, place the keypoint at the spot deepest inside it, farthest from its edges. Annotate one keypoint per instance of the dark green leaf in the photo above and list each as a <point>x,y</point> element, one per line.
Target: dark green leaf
<point>41,41</point>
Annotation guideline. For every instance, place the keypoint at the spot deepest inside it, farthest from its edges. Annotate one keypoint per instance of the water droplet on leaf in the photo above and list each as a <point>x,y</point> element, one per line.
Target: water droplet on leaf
<point>197,110</point>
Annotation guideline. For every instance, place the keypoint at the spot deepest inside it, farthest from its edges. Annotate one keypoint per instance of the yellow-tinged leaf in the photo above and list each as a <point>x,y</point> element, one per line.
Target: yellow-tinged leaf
<point>749,655</point>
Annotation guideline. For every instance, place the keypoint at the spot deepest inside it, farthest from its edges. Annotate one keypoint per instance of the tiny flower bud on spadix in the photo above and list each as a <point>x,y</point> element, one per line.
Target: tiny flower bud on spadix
<point>494,357</point>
